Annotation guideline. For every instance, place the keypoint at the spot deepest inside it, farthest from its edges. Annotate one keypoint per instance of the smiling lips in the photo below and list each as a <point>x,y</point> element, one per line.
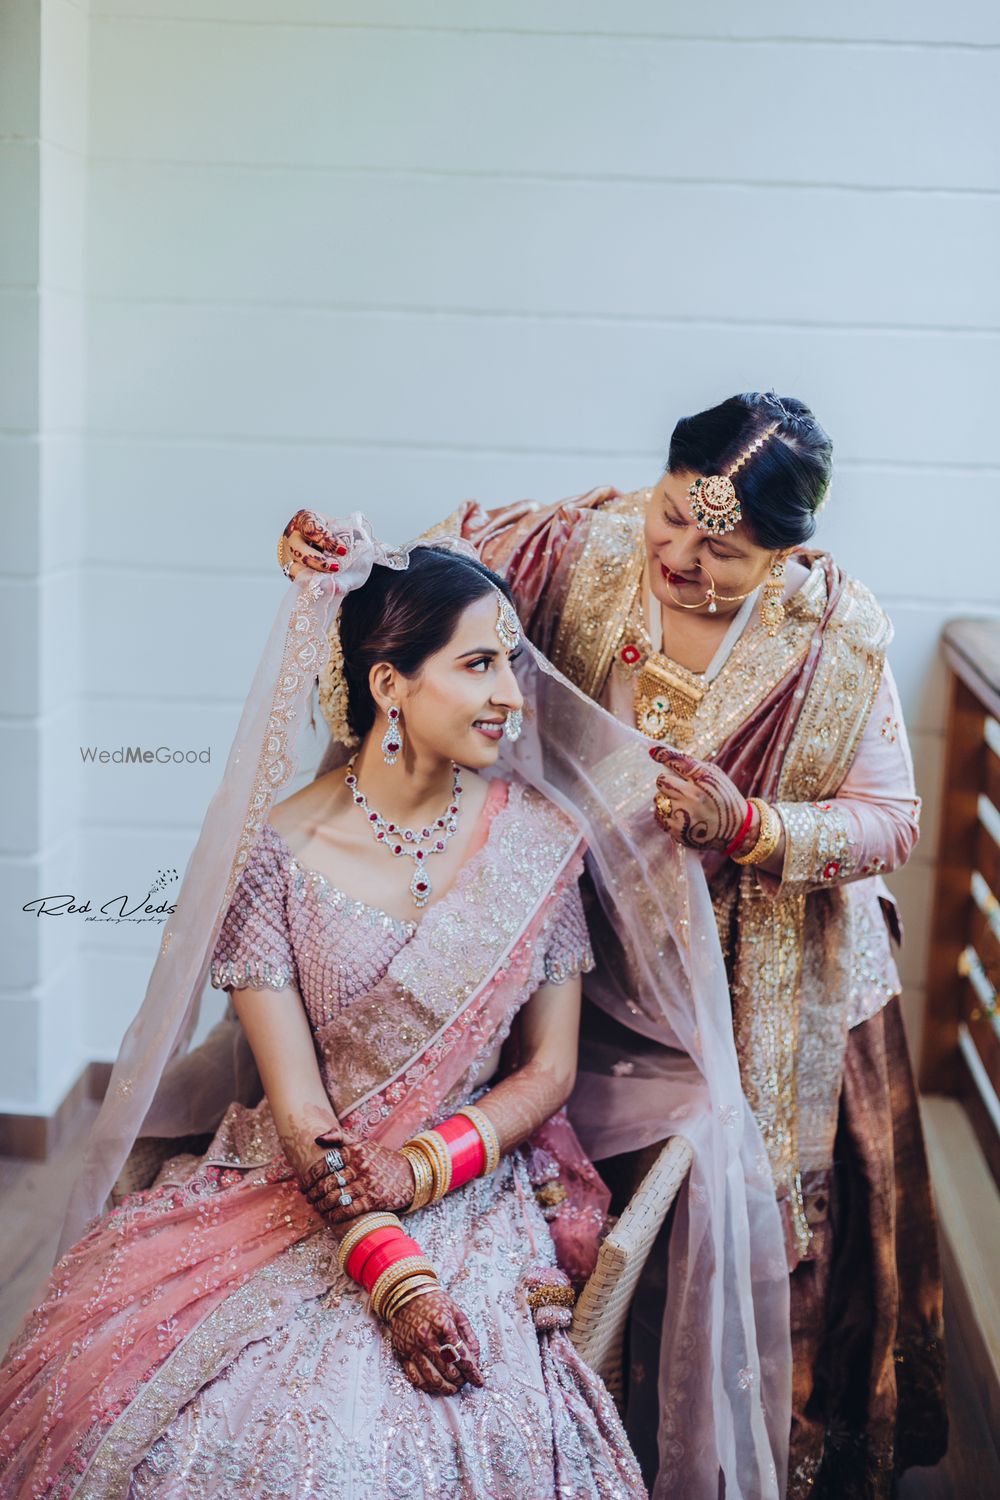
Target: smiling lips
<point>675,577</point>
<point>491,728</point>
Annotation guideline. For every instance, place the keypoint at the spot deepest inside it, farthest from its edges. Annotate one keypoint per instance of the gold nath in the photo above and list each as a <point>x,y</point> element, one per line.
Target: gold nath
<point>715,504</point>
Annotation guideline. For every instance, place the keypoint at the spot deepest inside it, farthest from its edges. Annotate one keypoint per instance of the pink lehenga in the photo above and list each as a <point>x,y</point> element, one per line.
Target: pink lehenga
<point>201,1338</point>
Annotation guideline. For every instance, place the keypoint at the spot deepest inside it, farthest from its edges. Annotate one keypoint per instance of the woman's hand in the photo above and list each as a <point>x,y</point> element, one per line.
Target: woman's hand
<point>707,810</point>
<point>436,1345</point>
<point>370,1177</point>
<point>309,543</point>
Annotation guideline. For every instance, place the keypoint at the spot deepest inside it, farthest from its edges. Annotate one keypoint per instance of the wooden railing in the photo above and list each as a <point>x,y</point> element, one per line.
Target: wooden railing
<point>961,1041</point>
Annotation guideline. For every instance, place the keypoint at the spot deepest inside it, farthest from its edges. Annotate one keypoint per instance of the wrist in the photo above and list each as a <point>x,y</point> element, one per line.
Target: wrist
<point>749,830</point>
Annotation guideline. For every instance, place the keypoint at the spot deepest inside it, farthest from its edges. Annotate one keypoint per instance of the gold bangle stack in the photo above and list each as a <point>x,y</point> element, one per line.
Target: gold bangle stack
<point>281,552</point>
<point>768,837</point>
<point>394,1277</point>
<point>487,1134</point>
<point>412,1288</point>
<point>423,1177</point>
<point>360,1230</point>
<point>435,1153</point>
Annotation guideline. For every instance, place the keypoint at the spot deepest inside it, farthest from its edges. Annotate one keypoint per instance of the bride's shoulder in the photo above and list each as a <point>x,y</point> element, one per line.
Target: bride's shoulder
<point>311,804</point>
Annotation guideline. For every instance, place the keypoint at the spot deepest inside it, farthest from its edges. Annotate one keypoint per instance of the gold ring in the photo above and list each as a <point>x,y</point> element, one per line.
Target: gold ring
<point>664,806</point>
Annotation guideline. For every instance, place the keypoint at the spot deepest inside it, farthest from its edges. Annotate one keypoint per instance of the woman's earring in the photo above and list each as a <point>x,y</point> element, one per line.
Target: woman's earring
<point>392,740</point>
<point>513,724</point>
<point>772,610</point>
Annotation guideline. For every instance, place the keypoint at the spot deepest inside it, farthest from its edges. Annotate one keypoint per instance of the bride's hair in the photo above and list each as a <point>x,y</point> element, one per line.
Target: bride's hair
<point>404,616</point>
<point>783,485</point>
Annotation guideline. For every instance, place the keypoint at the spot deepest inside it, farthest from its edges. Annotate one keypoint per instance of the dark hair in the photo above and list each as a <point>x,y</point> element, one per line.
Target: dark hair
<point>403,616</point>
<point>782,485</point>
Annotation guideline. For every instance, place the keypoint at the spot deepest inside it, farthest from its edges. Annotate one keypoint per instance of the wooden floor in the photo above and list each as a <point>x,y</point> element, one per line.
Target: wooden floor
<point>32,1196</point>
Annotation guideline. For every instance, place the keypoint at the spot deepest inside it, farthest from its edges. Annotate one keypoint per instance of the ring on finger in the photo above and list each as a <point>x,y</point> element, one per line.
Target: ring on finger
<point>450,1353</point>
<point>334,1160</point>
<point>664,806</point>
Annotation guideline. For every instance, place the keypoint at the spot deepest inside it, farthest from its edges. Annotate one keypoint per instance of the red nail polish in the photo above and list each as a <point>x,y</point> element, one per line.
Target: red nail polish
<point>333,567</point>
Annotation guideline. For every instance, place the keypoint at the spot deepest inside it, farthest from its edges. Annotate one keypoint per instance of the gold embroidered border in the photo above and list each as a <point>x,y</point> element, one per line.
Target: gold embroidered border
<point>602,588</point>
<point>303,658</point>
<point>773,1020</point>
<point>246,1314</point>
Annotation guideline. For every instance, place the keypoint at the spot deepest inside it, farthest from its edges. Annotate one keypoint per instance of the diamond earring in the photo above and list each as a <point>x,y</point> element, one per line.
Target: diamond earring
<point>392,740</point>
<point>513,724</point>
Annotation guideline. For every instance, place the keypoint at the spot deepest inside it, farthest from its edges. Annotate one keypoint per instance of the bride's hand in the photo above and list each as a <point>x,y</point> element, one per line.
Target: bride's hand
<point>372,1178</point>
<point>309,543</point>
<point>706,809</point>
<point>436,1345</point>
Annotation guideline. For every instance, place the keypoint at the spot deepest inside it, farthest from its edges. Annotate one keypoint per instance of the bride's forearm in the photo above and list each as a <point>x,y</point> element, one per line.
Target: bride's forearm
<point>524,1101</point>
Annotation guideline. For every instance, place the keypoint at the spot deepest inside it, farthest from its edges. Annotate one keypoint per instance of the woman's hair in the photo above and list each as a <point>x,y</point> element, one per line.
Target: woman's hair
<point>405,616</point>
<point>782,485</point>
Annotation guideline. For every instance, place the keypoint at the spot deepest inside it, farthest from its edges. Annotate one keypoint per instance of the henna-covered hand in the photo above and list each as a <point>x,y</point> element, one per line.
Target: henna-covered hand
<point>707,809</point>
<point>310,543</point>
<point>376,1180</point>
<point>427,1334</point>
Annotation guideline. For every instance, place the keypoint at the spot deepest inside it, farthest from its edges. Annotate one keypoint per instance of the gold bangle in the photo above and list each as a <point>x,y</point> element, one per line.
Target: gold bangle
<point>394,1275</point>
<point>360,1230</point>
<point>768,837</point>
<point>423,1176</point>
<point>487,1134</point>
<point>439,1157</point>
<point>281,552</point>
<point>412,1287</point>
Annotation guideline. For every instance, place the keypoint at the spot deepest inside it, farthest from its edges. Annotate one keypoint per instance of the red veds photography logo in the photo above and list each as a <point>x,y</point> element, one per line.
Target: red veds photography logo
<point>115,909</point>
<point>134,755</point>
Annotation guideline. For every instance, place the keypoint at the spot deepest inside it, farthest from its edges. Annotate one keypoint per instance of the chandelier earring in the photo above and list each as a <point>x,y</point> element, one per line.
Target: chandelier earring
<point>392,740</point>
<point>772,609</point>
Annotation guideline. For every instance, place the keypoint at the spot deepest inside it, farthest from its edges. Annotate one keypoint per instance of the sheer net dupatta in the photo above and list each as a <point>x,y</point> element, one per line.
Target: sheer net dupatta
<point>152,1078</point>
<point>725,1378</point>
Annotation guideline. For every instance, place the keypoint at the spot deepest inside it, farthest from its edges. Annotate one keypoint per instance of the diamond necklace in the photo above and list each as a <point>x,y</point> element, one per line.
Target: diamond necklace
<point>408,843</point>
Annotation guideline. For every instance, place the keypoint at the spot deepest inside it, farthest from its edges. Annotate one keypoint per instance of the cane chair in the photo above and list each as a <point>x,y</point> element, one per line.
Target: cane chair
<point>601,1312</point>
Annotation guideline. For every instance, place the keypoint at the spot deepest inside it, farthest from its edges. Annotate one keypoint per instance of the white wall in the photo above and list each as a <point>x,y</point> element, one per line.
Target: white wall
<point>392,255</point>
<point>43,128</point>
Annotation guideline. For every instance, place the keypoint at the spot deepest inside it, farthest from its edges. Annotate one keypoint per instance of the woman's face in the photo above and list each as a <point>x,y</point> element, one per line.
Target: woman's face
<point>683,560</point>
<point>456,706</point>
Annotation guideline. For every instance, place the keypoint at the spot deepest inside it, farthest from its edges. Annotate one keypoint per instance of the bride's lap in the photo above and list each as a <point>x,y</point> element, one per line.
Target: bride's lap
<point>320,1405</point>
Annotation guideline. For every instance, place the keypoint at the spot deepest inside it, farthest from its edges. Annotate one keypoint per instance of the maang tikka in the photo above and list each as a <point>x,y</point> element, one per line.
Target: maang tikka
<point>715,504</point>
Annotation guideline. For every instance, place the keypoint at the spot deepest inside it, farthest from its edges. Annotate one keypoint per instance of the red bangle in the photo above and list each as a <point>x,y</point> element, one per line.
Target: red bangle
<point>366,1247</point>
<point>737,841</point>
<point>466,1149</point>
<point>387,1256</point>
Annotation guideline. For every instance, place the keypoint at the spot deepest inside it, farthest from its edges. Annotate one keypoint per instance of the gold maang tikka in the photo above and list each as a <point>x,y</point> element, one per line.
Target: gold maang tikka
<point>508,626</point>
<point>715,504</point>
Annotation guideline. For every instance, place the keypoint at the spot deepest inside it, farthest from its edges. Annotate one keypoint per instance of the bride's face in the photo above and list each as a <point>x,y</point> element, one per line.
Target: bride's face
<point>456,707</point>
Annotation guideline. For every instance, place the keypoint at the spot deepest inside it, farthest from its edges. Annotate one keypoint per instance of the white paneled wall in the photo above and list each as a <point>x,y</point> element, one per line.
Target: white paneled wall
<point>391,255</point>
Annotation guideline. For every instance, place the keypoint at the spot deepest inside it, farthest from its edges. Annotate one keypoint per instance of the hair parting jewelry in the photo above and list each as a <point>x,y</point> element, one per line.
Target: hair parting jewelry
<point>715,504</point>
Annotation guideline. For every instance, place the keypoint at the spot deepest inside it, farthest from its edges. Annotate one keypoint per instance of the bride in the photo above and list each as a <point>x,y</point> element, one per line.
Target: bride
<point>393,924</point>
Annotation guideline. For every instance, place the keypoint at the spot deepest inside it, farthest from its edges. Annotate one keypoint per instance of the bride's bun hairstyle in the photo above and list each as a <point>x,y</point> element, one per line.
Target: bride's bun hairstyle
<point>783,484</point>
<point>403,616</point>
